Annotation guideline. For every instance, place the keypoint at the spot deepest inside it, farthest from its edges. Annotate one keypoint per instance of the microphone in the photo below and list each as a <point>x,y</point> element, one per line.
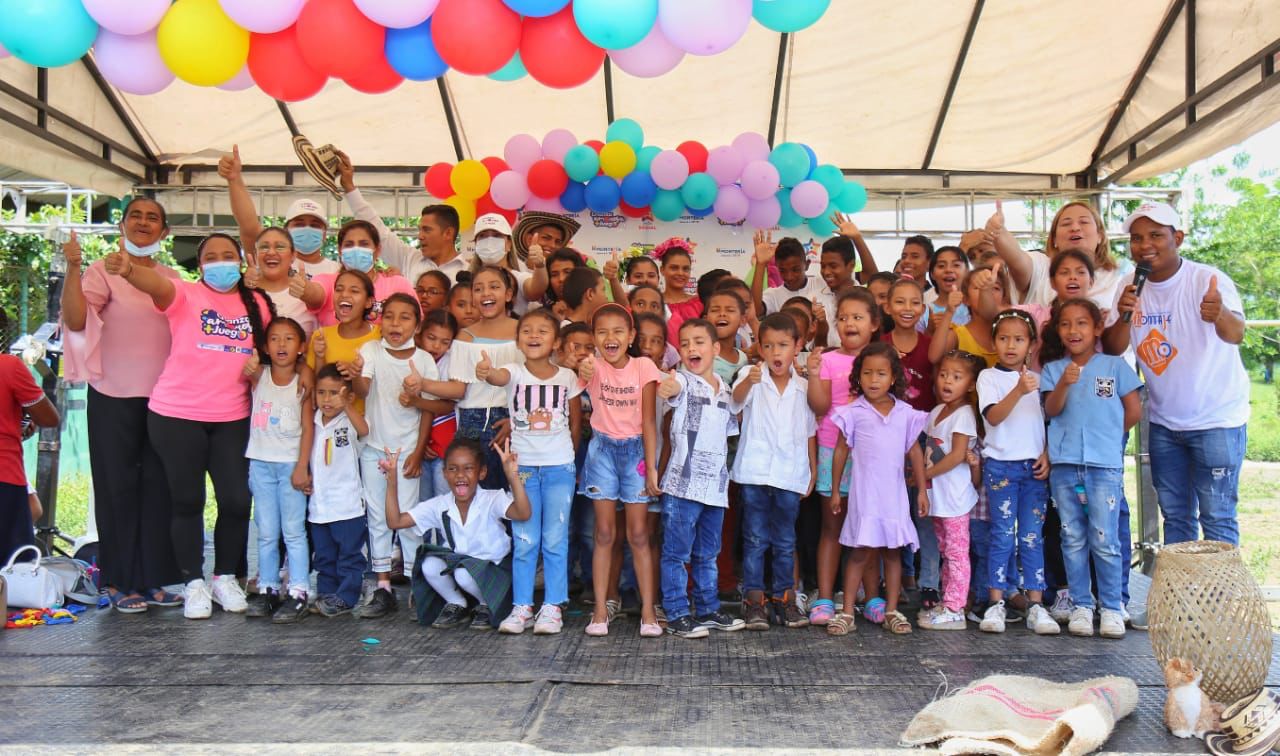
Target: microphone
<point>1139,280</point>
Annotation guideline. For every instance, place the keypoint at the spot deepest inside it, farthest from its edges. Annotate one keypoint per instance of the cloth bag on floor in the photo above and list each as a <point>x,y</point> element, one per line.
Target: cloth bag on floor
<point>30,584</point>
<point>1015,714</point>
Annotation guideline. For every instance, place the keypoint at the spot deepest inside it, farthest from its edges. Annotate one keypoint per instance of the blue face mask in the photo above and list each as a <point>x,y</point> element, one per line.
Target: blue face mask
<point>147,251</point>
<point>222,276</point>
<point>306,239</point>
<point>358,258</point>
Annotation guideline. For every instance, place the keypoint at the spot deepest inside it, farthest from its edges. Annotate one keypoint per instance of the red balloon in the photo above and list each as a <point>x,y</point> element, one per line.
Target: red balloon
<point>632,212</point>
<point>376,79</point>
<point>547,179</point>
<point>437,180</point>
<point>336,39</point>
<point>277,67</point>
<point>696,154</point>
<point>556,54</point>
<point>595,144</point>
<point>476,37</point>
<point>496,165</point>
<point>485,205</point>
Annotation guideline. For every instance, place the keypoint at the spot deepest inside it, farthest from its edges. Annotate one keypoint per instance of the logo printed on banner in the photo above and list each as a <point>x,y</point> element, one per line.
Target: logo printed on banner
<point>608,220</point>
<point>1156,352</point>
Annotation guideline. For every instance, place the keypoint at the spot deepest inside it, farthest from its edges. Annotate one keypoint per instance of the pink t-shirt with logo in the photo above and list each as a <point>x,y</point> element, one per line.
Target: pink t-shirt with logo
<point>835,368</point>
<point>383,287</point>
<point>203,378</point>
<point>616,394</point>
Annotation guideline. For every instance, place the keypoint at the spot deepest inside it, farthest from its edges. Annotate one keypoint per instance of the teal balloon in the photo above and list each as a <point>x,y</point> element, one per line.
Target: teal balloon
<point>668,205</point>
<point>615,24</point>
<point>514,69</point>
<point>46,33</point>
<point>789,218</point>
<point>645,156</point>
<point>581,163</point>
<point>852,198</point>
<point>822,225</point>
<point>788,15</point>
<point>792,162</point>
<point>699,191</point>
<point>627,130</point>
<point>830,177</point>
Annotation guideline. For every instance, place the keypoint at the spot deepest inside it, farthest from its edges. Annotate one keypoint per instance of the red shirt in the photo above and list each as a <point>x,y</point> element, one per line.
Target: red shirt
<point>18,390</point>
<point>919,372</point>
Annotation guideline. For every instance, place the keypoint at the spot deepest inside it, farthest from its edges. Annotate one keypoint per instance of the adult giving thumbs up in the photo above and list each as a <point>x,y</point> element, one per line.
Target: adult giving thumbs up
<point>1211,303</point>
<point>229,166</point>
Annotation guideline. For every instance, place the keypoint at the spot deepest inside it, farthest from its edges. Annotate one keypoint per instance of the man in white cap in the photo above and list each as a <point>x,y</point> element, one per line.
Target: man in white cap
<point>494,245</point>
<point>1185,325</point>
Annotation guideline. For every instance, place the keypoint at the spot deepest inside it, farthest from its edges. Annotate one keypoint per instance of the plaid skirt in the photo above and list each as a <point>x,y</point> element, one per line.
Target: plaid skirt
<point>494,581</point>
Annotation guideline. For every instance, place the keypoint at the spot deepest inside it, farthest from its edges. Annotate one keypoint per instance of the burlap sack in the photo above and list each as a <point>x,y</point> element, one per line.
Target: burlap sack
<point>1013,714</point>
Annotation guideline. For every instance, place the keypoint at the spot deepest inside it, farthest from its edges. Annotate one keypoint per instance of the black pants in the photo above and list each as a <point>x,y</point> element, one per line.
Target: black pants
<point>16,529</point>
<point>187,450</point>
<point>130,496</point>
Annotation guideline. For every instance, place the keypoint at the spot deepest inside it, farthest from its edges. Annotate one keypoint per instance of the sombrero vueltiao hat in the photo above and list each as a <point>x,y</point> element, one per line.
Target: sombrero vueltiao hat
<point>1250,726</point>
<point>532,219</point>
<point>321,163</point>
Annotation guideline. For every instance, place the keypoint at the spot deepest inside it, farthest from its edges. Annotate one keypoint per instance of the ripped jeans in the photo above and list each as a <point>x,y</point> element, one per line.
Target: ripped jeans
<point>1197,480</point>
<point>1088,500</point>
<point>550,492</point>
<point>1018,503</point>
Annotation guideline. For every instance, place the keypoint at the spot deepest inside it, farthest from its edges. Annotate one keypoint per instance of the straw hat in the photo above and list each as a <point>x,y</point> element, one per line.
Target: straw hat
<point>535,218</point>
<point>320,162</point>
<point>1250,726</point>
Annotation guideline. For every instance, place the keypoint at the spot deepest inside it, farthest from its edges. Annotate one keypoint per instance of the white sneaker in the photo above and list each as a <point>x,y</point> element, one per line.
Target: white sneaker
<point>518,621</point>
<point>1111,624</point>
<point>1081,622</point>
<point>198,603</point>
<point>1039,621</point>
<point>943,618</point>
<point>549,621</point>
<point>802,602</point>
<point>1062,606</point>
<point>993,620</point>
<point>229,595</point>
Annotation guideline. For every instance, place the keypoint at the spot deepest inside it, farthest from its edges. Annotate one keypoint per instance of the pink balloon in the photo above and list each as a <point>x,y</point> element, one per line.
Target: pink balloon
<point>242,81</point>
<point>764,213</point>
<point>127,17</point>
<point>652,56</point>
<point>131,62</point>
<point>669,169</point>
<point>725,165</point>
<point>261,16</point>
<point>809,199</point>
<point>509,190</point>
<point>759,180</point>
<point>752,146</point>
<point>521,152</point>
<point>397,14</point>
<point>545,205</point>
<point>706,27</point>
<point>557,142</point>
<point>732,205</point>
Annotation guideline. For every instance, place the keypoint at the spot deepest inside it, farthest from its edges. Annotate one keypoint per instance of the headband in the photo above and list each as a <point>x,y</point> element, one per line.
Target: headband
<point>610,307</point>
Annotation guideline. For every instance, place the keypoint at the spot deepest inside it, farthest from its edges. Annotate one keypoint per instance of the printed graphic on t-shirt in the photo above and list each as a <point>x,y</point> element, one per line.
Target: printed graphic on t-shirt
<point>933,454</point>
<point>1104,386</point>
<point>238,329</point>
<point>540,408</point>
<point>1156,352</point>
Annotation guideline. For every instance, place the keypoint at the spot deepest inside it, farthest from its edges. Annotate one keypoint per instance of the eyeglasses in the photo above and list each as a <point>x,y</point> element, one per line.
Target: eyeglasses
<point>432,292</point>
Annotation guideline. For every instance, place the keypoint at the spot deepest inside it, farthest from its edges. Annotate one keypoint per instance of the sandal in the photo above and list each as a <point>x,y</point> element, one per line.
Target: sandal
<point>840,624</point>
<point>896,623</point>
<point>161,597</point>
<point>126,603</point>
<point>612,608</point>
<point>929,598</point>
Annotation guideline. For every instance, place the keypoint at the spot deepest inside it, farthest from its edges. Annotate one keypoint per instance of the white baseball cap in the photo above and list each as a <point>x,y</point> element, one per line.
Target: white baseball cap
<point>1156,211</point>
<point>492,222</point>
<point>305,207</point>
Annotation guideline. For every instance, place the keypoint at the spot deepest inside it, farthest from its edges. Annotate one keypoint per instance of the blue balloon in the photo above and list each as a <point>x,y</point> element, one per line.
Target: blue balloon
<point>626,130</point>
<point>603,194</point>
<point>699,191</point>
<point>852,199</point>
<point>830,177</point>
<point>48,33</point>
<point>667,205</point>
<point>792,162</point>
<point>574,198</point>
<point>615,24</point>
<point>536,8</point>
<point>412,53</point>
<point>581,163</point>
<point>638,189</point>
<point>704,212</point>
<point>645,156</point>
<point>813,159</point>
<point>789,16</point>
<point>514,69</point>
<point>789,218</point>
<point>822,225</point>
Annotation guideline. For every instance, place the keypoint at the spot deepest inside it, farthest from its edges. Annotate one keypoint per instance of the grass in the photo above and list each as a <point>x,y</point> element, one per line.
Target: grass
<point>1264,423</point>
<point>73,505</point>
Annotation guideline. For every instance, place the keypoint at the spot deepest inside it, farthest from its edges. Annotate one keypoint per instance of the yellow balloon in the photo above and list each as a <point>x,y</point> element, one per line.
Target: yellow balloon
<point>200,44</point>
<point>466,209</point>
<point>470,179</point>
<point>617,159</point>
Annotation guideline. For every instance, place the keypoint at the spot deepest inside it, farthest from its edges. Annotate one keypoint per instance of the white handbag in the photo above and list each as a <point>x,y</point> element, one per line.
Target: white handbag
<point>31,585</point>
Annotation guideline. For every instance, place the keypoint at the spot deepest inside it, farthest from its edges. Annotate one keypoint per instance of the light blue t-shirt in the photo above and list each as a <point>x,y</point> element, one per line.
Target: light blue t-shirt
<point>935,311</point>
<point>1090,428</point>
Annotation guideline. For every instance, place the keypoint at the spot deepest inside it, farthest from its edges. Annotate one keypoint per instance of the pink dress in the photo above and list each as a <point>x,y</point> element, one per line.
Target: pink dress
<point>879,512</point>
<point>680,312</point>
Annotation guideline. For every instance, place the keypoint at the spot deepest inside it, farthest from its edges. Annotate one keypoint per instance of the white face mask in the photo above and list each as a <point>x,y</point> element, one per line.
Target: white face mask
<point>491,249</point>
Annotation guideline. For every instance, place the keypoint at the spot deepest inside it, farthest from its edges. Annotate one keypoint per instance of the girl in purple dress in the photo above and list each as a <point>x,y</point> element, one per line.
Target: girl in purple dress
<point>881,429</point>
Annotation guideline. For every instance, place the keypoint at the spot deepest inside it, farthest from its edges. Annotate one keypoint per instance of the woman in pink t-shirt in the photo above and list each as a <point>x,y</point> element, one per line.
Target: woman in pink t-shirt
<point>359,248</point>
<point>119,347</point>
<point>198,417</point>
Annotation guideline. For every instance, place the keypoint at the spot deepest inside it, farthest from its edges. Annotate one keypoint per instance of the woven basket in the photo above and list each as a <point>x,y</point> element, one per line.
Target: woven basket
<point>1205,606</point>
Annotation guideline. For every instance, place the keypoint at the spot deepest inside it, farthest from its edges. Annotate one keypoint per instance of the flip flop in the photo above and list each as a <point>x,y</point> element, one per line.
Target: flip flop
<point>161,597</point>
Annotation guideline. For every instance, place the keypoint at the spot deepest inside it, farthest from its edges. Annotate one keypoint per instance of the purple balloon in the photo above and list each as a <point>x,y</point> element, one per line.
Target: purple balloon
<point>127,17</point>
<point>545,205</point>
<point>131,62</point>
<point>731,204</point>
<point>669,169</point>
<point>752,146</point>
<point>652,56</point>
<point>242,81</point>
<point>263,17</point>
<point>809,199</point>
<point>706,27</point>
<point>521,152</point>
<point>396,14</point>
<point>556,143</point>
<point>759,180</point>
<point>509,190</point>
<point>3,53</point>
<point>764,213</point>
<point>725,165</point>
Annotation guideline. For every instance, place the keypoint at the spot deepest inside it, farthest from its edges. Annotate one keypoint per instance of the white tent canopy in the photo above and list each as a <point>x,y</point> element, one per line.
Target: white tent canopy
<point>1006,94</point>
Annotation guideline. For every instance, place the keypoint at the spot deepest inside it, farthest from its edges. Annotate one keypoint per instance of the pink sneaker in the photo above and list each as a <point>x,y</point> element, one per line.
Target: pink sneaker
<point>598,629</point>
<point>650,630</point>
<point>821,612</point>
